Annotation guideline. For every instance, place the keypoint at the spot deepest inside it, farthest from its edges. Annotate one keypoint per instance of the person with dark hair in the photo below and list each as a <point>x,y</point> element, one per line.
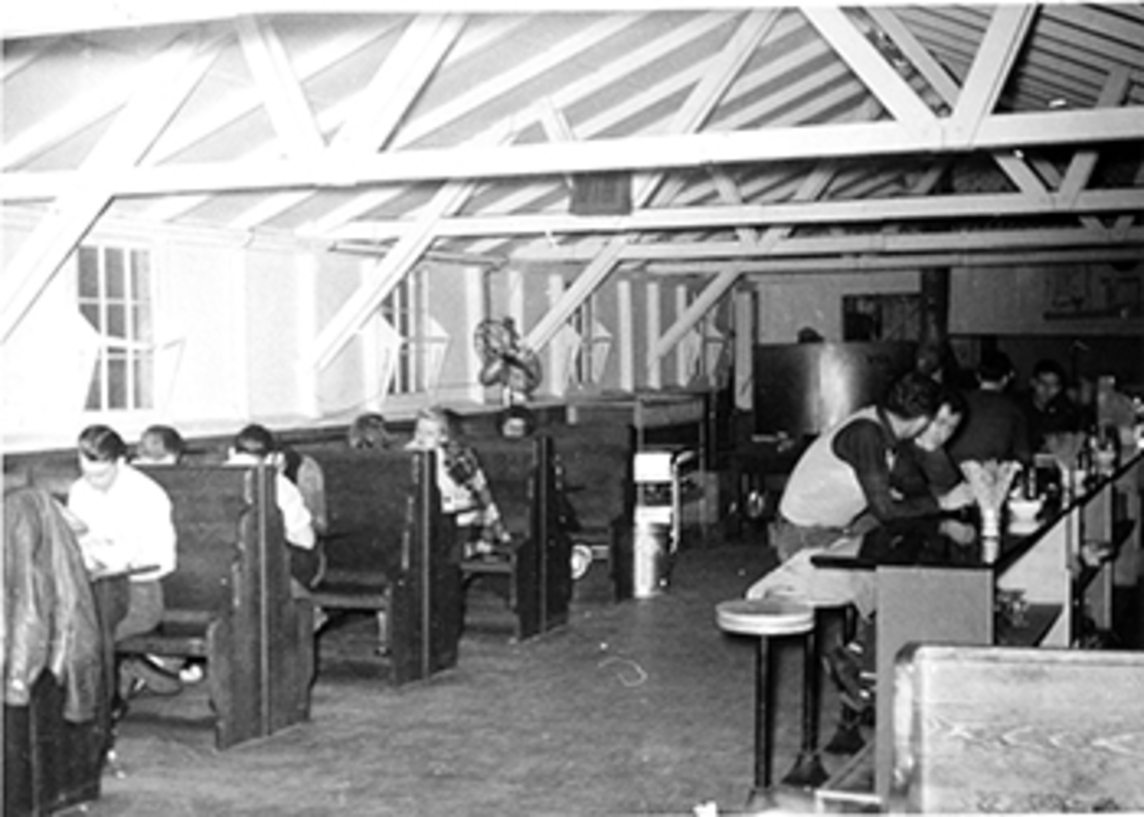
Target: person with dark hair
<point>842,487</point>
<point>368,431</point>
<point>996,428</point>
<point>923,466</point>
<point>124,523</point>
<point>255,445</point>
<point>844,475</point>
<point>160,445</point>
<point>1047,406</point>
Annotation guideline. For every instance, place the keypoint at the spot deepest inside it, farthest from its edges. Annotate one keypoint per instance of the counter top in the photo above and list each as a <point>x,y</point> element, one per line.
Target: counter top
<point>952,540</point>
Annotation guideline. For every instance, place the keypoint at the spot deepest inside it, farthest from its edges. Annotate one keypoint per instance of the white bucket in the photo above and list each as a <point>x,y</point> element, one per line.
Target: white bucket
<point>650,560</point>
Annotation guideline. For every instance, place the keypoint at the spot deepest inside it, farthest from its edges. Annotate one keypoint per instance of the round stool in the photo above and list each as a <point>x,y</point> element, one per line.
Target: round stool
<point>767,618</point>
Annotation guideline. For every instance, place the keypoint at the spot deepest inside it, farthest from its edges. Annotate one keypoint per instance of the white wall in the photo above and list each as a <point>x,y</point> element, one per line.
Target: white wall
<point>788,303</point>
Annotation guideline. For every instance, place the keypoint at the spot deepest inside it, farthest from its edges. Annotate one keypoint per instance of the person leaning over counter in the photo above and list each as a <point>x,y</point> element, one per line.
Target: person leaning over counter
<point>843,485</point>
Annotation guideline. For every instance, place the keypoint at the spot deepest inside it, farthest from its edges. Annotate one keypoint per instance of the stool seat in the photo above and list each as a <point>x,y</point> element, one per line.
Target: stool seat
<point>764,617</point>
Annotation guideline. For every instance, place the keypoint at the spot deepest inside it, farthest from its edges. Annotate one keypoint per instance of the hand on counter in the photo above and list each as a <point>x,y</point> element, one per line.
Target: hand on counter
<point>960,496</point>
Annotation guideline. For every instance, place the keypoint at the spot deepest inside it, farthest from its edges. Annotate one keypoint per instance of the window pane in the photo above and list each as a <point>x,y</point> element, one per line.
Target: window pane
<point>94,396</point>
<point>144,378</point>
<point>91,313</point>
<point>88,272</point>
<point>116,320</point>
<point>141,276</point>
<point>116,381</point>
<point>142,323</point>
<point>113,260</point>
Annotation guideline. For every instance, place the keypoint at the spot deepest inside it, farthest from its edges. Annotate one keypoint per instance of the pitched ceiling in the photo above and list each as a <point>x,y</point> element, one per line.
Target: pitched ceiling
<point>750,139</point>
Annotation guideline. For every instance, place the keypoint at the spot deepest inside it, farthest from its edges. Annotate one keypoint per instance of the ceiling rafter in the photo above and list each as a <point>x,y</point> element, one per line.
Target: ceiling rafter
<point>994,60</point>
<point>692,255</point>
<point>282,94</point>
<point>702,100</point>
<point>811,188</point>
<point>163,90</point>
<point>664,151</point>
<point>858,211</point>
<point>376,112</point>
<point>871,68</point>
<point>184,134</point>
<point>458,107</point>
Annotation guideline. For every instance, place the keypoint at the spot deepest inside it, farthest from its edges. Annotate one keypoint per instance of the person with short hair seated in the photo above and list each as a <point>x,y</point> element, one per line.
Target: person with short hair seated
<point>464,487</point>
<point>123,522</point>
<point>160,445</point>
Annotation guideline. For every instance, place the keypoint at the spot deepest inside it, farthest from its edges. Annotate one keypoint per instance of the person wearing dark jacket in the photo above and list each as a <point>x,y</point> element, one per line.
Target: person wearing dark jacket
<point>995,427</point>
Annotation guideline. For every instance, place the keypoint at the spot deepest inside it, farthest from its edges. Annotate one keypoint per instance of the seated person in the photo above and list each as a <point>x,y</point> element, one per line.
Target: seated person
<point>462,483</point>
<point>996,428</point>
<point>160,445</point>
<point>255,445</point>
<point>306,474</point>
<point>1048,408</point>
<point>368,431</point>
<point>845,484</point>
<point>123,521</point>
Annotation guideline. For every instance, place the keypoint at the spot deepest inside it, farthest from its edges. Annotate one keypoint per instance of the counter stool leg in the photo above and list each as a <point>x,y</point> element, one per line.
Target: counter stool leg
<point>808,771</point>
<point>764,721</point>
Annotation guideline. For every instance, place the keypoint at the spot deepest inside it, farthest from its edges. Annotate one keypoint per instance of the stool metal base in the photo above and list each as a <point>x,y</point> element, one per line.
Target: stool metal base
<point>778,800</point>
<point>807,772</point>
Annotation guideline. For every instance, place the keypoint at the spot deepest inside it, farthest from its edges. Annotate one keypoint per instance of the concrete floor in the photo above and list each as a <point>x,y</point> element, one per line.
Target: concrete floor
<point>642,707</point>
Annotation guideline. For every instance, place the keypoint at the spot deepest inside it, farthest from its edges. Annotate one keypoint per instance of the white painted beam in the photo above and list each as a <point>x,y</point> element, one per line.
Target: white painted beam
<point>281,94</point>
<point>995,56</point>
<point>871,67</point>
<point>338,170</point>
<point>905,208</point>
<point>175,73</point>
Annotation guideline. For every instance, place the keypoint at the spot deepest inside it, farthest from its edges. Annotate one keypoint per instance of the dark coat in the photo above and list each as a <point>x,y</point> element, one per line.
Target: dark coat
<point>48,620</point>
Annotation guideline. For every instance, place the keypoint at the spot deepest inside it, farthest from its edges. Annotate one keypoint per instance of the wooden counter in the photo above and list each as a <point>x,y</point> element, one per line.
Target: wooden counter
<point>930,589</point>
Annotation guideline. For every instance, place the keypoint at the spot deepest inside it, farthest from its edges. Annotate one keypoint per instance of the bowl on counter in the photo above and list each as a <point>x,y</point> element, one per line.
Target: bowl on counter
<point>1023,512</point>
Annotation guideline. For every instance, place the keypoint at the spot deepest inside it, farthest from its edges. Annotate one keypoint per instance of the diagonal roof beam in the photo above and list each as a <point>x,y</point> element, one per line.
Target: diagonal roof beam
<point>811,188</point>
<point>281,93</point>
<point>461,105</point>
<point>185,134</point>
<point>378,110</point>
<point>702,100</point>
<point>1084,161</point>
<point>388,274</point>
<point>65,122</point>
<point>987,76</point>
<point>871,67</point>
<point>174,74</point>
<point>919,56</point>
<point>408,67</point>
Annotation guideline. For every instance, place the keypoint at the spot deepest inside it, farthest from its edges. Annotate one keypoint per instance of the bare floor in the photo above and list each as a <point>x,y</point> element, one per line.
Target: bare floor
<point>641,707</point>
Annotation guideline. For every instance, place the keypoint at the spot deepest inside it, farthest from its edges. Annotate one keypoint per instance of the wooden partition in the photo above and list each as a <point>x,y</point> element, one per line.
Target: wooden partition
<point>537,578</point>
<point>230,600</point>
<point>389,549</point>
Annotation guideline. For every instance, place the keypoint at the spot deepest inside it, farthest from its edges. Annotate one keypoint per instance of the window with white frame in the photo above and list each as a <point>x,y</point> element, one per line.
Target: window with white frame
<point>416,360</point>
<point>115,297</point>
